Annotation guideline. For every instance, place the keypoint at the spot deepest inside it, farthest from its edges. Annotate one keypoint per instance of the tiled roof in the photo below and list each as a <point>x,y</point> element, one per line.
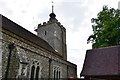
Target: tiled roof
<point>102,62</point>
<point>21,32</point>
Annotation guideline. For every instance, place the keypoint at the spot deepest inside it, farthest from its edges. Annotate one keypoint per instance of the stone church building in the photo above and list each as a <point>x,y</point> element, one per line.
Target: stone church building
<point>26,55</point>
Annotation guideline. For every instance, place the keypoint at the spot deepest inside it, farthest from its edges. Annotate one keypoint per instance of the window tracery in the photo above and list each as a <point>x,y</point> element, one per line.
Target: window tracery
<point>35,71</point>
<point>56,73</point>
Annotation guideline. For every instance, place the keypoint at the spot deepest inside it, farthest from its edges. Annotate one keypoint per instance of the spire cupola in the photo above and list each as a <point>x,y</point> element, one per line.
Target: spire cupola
<point>52,15</point>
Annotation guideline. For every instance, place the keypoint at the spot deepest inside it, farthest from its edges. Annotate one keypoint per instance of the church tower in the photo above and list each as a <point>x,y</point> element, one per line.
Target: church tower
<point>55,34</point>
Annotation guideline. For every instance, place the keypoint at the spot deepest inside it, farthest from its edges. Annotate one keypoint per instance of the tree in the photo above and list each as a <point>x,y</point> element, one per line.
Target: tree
<point>106,28</point>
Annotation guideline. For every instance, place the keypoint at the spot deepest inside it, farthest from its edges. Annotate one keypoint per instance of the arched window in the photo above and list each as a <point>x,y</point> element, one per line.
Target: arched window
<point>32,72</point>
<point>54,73</point>
<point>37,73</point>
<point>57,73</point>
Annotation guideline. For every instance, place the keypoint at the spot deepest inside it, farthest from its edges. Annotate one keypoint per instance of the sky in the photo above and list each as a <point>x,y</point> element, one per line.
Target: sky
<point>74,15</point>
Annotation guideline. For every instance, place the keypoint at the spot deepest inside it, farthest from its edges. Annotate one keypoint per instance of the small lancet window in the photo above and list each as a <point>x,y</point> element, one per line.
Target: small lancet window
<point>37,73</point>
<point>54,74</point>
<point>59,75</point>
<point>32,72</point>
<point>45,32</point>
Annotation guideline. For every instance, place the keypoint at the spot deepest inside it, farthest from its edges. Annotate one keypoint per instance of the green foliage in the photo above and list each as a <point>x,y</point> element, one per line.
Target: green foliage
<point>106,28</point>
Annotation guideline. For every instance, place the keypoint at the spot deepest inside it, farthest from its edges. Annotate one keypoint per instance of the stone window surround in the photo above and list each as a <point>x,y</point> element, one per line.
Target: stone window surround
<point>58,69</point>
<point>36,63</point>
<point>20,72</point>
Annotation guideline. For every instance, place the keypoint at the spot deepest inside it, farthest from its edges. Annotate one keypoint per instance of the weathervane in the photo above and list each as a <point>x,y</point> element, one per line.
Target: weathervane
<point>52,7</point>
<point>52,15</point>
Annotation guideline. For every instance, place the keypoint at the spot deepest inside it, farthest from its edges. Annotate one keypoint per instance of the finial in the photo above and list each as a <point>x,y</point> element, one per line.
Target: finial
<point>52,7</point>
<point>52,15</point>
